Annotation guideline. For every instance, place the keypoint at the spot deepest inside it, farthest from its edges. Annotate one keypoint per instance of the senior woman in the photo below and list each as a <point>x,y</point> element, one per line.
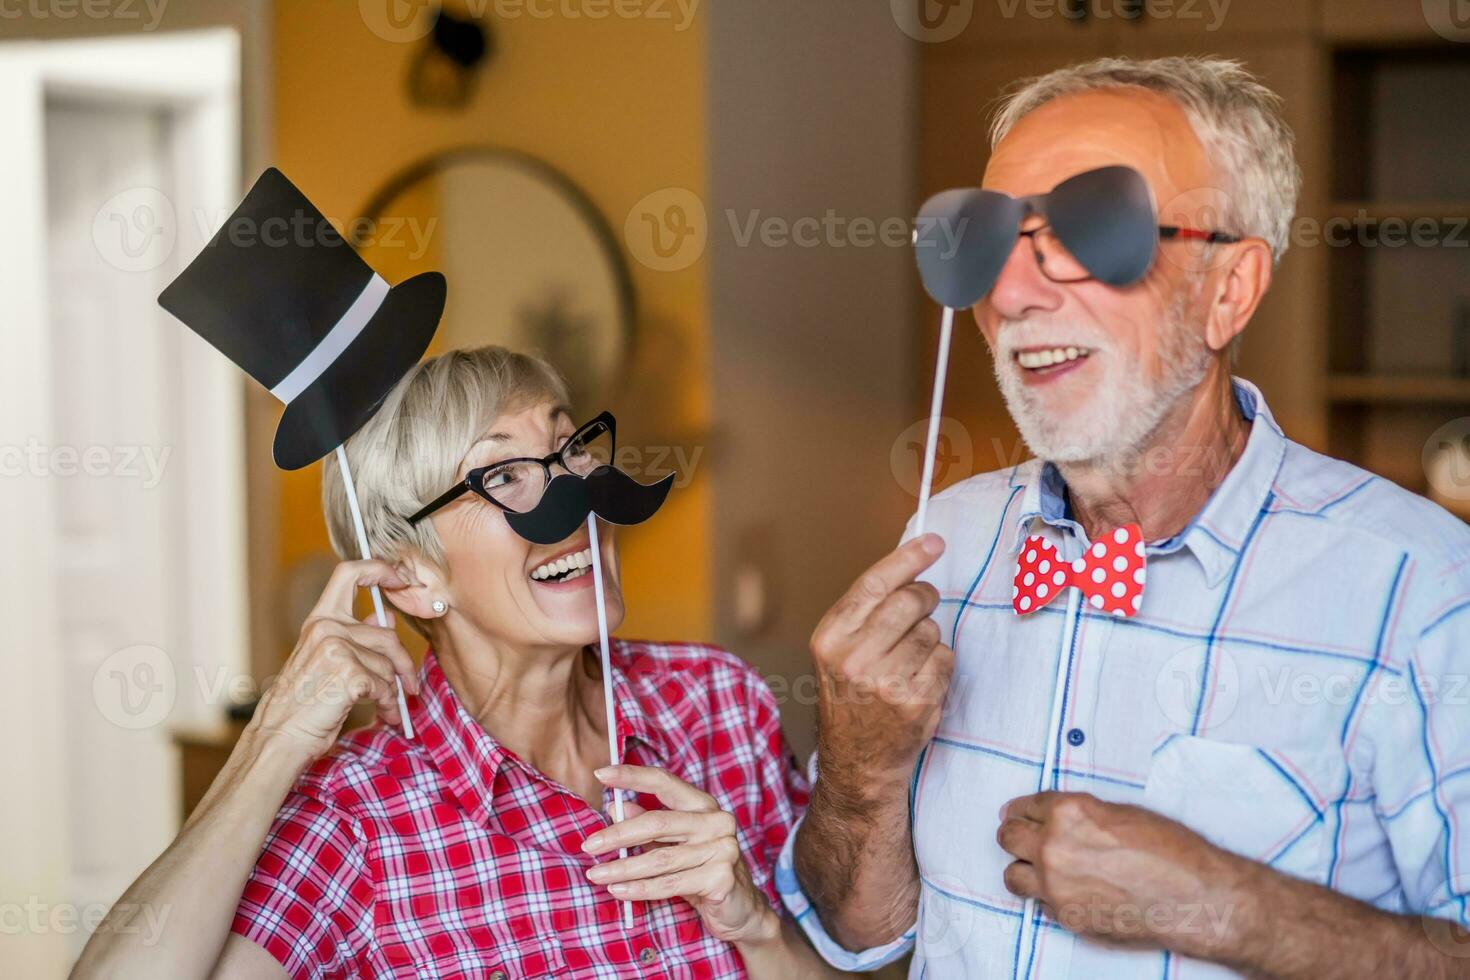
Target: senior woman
<point>480,848</point>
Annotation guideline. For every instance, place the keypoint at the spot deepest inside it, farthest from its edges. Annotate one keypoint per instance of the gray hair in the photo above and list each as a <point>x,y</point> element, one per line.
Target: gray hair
<point>410,450</point>
<point>1236,118</point>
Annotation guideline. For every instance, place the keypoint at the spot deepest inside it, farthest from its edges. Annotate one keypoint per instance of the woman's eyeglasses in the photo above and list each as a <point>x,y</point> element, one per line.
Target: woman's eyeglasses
<point>516,485</point>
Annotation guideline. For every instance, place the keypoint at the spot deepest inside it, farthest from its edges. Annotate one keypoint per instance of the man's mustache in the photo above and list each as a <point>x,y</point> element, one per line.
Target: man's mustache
<point>607,492</point>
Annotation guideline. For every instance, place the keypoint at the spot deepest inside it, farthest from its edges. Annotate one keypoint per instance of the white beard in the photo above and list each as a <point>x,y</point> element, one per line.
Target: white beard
<point>1125,408</point>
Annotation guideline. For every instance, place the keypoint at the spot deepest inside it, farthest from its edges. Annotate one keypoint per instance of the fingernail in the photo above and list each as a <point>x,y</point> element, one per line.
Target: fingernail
<point>932,544</point>
<point>598,873</point>
<point>619,888</point>
<point>592,843</point>
<point>604,773</point>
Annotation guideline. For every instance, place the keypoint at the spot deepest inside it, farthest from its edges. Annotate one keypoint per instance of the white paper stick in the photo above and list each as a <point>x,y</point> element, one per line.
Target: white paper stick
<point>607,691</point>
<point>1047,761</point>
<point>936,406</point>
<point>362,546</point>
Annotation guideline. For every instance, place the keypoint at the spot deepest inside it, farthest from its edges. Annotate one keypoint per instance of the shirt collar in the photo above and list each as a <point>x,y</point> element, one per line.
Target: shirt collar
<point>1217,533</point>
<point>632,712</point>
<point>470,758</point>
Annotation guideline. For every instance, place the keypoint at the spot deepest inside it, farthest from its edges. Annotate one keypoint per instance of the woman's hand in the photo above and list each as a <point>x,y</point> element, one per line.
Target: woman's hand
<point>690,852</point>
<point>337,662</point>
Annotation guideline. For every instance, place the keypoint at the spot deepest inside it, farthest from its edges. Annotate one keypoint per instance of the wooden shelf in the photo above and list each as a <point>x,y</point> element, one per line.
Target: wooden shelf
<point>1402,210</point>
<point>1398,389</point>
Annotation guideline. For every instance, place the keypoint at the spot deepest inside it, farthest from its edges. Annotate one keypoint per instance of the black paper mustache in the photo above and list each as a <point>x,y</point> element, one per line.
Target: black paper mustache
<point>607,492</point>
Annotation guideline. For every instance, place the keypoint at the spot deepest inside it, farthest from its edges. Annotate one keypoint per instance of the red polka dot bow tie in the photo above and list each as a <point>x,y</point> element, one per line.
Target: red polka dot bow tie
<point>1110,574</point>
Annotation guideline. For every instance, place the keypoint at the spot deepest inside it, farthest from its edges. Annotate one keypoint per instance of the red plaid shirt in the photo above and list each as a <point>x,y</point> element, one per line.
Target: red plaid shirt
<point>449,856</point>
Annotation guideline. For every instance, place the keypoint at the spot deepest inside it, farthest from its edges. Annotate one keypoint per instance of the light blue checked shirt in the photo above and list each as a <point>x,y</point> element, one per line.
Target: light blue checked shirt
<point>1294,688</point>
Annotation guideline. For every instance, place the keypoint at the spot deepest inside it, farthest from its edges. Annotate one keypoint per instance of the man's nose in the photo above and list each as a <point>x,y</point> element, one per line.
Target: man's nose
<point>1021,289</point>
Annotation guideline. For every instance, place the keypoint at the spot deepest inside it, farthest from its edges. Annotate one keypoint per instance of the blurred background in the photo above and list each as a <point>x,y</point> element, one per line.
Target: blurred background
<point>700,209</point>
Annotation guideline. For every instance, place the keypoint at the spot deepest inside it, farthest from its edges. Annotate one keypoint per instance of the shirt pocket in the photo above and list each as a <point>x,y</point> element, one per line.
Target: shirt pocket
<point>533,959</point>
<point>1267,804</point>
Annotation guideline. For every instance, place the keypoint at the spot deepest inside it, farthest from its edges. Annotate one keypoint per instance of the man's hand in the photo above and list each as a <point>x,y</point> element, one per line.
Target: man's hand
<point>882,672</point>
<point>882,675</point>
<point>1128,876</point>
<point>1122,874</point>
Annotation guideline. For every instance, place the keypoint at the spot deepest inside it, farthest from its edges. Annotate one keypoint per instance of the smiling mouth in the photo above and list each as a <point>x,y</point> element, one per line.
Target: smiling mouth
<point>564,569</point>
<point>1047,359</point>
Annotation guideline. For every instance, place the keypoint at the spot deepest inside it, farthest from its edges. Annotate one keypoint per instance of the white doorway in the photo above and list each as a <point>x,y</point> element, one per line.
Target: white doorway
<point>122,500</point>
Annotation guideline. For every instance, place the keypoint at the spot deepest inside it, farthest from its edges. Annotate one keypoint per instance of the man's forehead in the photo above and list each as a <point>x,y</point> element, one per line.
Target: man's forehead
<point>1075,133</point>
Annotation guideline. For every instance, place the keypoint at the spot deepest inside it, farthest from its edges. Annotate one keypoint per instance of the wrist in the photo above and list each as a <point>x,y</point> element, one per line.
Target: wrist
<point>1241,918</point>
<point>863,782</point>
<point>268,748</point>
<point>266,759</point>
<point>763,932</point>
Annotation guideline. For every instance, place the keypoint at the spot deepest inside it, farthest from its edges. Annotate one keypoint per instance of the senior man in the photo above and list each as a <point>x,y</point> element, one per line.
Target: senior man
<point>1261,766</point>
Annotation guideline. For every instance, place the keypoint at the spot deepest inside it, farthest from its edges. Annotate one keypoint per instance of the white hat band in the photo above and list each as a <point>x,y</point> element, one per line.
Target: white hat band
<point>337,340</point>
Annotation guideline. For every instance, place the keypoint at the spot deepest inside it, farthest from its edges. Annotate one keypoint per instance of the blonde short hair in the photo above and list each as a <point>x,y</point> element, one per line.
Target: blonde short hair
<point>410,450</point>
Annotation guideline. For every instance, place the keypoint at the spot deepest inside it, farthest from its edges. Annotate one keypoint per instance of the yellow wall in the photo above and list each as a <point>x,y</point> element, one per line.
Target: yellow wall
<point>618,105</point>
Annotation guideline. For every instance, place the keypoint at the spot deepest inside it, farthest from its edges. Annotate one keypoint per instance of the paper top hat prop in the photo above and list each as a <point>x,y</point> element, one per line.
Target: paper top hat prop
<point>280,293</point>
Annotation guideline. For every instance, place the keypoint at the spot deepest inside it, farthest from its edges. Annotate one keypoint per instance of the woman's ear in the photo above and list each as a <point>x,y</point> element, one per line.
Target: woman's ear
<point>426,586</point>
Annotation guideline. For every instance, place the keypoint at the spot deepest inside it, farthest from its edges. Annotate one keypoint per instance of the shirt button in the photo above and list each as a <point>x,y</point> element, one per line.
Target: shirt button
<point>647,955</point>
<point>499,975</point>
<point>1076,737</point>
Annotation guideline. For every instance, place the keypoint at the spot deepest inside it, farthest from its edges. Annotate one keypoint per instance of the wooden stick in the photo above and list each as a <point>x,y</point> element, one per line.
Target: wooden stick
<point>362,546</point>
<point>607,690</point>
<point>936,406</point>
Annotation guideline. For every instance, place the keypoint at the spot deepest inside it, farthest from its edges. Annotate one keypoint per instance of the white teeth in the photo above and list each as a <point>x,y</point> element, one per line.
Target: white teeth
<point>574,563</point>
<point>1046,358</point>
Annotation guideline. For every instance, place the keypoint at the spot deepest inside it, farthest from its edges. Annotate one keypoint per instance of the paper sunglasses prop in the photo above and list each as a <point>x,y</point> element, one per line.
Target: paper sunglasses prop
<point>1105,219</point>
<point>1106,227</point>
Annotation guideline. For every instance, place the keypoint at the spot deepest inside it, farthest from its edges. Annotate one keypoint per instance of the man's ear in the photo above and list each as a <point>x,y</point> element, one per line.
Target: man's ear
<point>1240,291</point>
<point>426,584</point>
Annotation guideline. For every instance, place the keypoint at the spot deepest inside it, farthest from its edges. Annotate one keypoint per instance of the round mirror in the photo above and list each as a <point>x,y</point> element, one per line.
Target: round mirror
<point>531,263</point>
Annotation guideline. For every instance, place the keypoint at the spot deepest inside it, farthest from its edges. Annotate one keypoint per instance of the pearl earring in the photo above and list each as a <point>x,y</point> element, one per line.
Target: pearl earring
<point>440,605</point>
